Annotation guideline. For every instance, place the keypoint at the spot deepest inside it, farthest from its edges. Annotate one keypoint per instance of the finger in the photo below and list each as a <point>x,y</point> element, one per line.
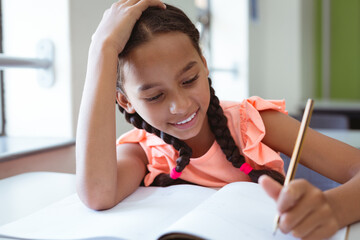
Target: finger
<point>271,187</point>
<point>131,2</point>
<point>299,221</point>
<point>321,218</point>
<point>321,232</point>
<point>311,201</point>
<point>294,217</point>
<point>291,194</point>
<point>119,3</point>
<point>144,4</point>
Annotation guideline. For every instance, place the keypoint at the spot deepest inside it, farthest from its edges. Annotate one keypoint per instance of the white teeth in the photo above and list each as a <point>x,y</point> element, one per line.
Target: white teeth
<point>187,120</point>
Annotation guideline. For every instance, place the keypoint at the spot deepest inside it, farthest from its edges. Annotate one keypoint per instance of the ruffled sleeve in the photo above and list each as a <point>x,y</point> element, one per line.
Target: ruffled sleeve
<point>252,132</point>
<point>159,154</point>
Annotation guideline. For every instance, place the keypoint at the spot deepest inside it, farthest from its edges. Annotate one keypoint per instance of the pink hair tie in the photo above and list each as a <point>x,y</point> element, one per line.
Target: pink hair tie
<point>174,174</point>
<point>246,168</point>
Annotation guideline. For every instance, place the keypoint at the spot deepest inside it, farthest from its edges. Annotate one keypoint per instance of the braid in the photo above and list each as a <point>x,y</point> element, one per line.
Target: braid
<point>218,124</point>
<point>184,150</point>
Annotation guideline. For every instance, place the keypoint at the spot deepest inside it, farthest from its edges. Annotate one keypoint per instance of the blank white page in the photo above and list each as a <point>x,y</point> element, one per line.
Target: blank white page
<point>240,210</point>
<point>143,215</point>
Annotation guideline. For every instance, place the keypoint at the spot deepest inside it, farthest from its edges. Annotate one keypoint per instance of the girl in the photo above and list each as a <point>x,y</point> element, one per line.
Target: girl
<point>147,56</point>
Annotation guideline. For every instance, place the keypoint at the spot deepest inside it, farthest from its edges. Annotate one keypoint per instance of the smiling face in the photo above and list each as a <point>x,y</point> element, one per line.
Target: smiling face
<point>166,83</point>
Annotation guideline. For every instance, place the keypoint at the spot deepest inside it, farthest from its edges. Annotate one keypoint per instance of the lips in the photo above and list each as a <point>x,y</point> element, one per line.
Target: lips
<point>187,120</point>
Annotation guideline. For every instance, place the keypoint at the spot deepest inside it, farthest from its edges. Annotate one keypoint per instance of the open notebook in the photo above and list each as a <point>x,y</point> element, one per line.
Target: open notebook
<point>239,210</point>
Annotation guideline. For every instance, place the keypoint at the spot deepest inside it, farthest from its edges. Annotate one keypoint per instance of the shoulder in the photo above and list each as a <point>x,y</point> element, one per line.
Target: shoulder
<point>246,124</point>
<point>144,143</point>
<point>139,136</point>
<point>251,107</point>
<point>132,152</point>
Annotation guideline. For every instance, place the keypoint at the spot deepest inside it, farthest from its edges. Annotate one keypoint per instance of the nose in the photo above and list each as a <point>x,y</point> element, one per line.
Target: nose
<point>180,103</point>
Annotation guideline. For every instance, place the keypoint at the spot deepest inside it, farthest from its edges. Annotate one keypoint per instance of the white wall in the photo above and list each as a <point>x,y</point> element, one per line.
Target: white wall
<point>85,16</point>
<point>281,49</point>
<point>229,49</point>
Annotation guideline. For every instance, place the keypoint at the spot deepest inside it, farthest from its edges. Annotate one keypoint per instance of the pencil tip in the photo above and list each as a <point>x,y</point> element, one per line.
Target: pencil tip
<point>276,224</point>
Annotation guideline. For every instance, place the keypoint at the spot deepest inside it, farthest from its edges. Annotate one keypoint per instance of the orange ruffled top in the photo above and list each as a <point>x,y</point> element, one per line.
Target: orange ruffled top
<point>213,169</point>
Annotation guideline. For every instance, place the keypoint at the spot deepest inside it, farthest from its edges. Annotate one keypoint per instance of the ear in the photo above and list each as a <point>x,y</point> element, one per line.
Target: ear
<point>205,64</point>
<point>124,102</point>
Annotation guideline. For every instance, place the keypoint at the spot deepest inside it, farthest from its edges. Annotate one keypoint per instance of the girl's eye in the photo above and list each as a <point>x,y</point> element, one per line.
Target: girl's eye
<point>151,99</point>
<point>191,80</point>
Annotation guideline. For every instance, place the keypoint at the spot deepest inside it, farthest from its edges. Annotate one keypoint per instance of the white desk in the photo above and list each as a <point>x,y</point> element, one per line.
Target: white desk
<point>27,193</point>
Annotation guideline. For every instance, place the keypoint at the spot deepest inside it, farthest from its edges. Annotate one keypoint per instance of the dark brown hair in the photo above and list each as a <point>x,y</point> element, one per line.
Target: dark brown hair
<point>155,21</point>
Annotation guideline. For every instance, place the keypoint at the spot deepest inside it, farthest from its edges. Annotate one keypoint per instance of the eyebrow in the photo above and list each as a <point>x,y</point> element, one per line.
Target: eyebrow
<point>182,71</point>
<point>146,87</point>
<point>186,68</point>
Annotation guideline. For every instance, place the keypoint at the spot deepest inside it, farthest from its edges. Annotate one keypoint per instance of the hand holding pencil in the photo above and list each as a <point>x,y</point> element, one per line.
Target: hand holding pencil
<point>304,210</point>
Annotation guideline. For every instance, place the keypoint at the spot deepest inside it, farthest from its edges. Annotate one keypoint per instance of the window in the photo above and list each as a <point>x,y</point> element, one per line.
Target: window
<point>34,118</point>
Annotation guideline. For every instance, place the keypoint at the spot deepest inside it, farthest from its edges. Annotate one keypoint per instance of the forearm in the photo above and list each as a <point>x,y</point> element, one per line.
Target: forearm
<point>95,142</point>
<point>344,201</point>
